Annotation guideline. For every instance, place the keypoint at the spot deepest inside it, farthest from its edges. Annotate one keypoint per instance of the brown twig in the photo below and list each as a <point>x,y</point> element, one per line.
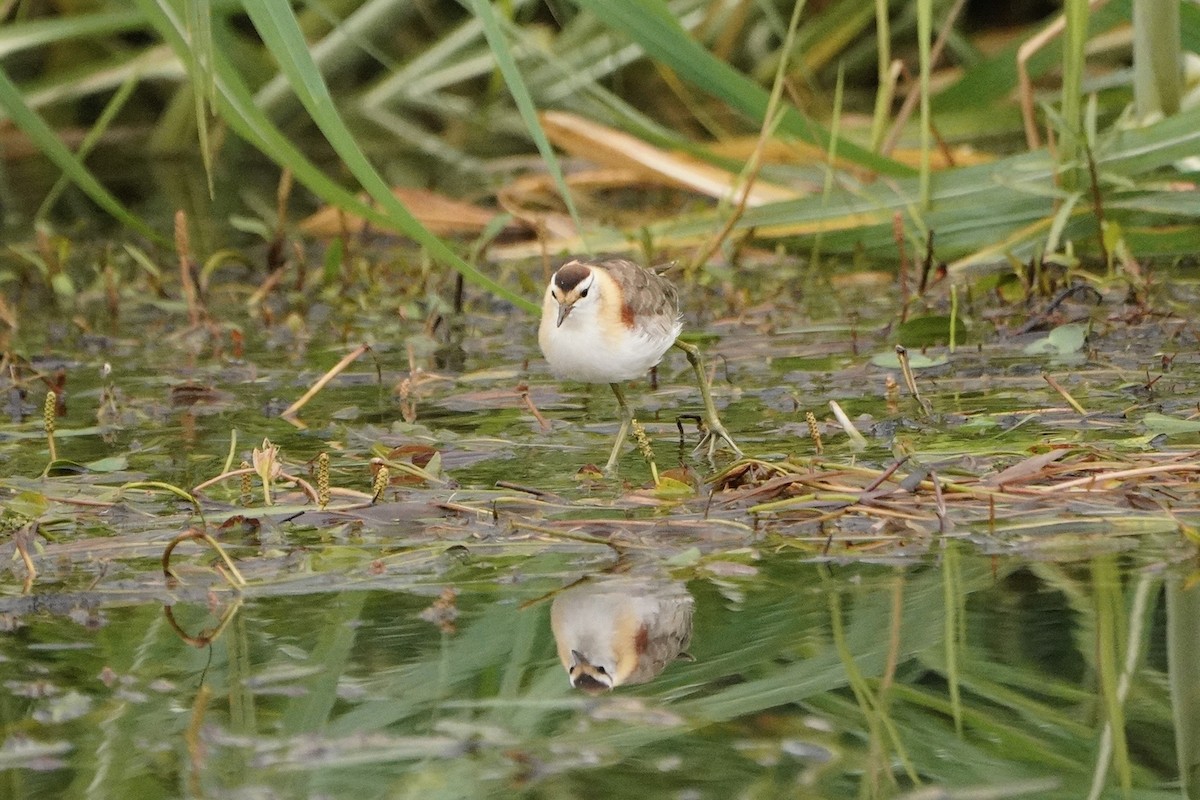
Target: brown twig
<point>1058,387</point>
<point>910,380</point>
<point>523,390</point>
<point>1120,475</point>
<point>186,282</point>
<point>290,411</point>
<point>902,270</point>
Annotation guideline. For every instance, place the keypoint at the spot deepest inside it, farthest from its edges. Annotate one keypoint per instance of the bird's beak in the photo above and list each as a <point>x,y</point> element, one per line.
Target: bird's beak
<point>577,658</point>
<point>563,310</point>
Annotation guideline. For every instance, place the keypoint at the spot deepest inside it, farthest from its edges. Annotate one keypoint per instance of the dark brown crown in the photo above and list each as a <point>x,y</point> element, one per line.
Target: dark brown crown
<point>569,275</point>
<point>590,684</point>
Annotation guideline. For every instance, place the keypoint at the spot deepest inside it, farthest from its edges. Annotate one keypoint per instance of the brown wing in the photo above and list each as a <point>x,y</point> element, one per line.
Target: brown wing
<point>663,637</point>
<point>646,295</point>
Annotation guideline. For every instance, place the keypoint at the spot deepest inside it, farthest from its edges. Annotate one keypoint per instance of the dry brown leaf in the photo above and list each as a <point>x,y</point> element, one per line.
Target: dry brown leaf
<point>613,148</point>
<point>778,151</point>
<point>1026,470</point>
<point>440,214</point>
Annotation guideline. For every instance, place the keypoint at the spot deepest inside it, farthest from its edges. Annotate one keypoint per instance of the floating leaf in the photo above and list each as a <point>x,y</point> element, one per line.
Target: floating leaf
<point>28,505</point>
<point>1160,423</point>
<point>1064,339</point>
<point>670,488</point>
<point>62,467</point>
<point>931,330</point>
<point>108,464</point>
<point>888,360</point>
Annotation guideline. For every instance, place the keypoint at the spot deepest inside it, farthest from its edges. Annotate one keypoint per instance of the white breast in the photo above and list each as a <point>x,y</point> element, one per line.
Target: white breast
<point>584,349</point>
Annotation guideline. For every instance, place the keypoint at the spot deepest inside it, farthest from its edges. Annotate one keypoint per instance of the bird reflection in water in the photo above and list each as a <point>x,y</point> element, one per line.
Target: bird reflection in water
<point>613,630</point>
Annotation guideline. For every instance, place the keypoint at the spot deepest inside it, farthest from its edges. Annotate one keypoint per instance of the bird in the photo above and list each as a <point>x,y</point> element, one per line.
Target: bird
<point>615,630</point>
<point>610,320</point>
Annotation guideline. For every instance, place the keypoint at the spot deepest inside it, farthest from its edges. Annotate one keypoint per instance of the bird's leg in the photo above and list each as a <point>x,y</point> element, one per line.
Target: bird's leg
<point>716,432</point>
<point>623,431</point>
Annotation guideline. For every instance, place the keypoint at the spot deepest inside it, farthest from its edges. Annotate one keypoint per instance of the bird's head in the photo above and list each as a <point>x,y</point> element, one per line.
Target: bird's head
<point>587,676</point>
<point>572,287</point>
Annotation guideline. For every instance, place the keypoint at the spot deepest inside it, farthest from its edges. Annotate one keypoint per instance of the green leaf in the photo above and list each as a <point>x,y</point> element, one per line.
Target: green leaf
<point>15,37</point>
<point>670,489</point>
<point>1158,424</point>
<point>109,464</point>
<point>927,331</point>
<point>889,360</point>
<point>28,505</point>
<point>485,12</point>
<point>280,32</point>
<point>14,105</point>
<point>1063,340</point>
<point>652,25</point>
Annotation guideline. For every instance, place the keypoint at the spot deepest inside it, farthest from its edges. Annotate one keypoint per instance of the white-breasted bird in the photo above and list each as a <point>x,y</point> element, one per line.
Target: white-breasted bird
<point>610,321</point>
<point>618,630</point>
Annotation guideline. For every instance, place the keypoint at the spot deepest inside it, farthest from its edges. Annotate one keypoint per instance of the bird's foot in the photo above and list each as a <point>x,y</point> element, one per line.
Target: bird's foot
<point>716,436</point>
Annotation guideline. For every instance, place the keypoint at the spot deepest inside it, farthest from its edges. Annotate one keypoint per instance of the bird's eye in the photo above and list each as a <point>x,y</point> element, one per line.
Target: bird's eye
<point>583,293</point>
<point>601,670</point>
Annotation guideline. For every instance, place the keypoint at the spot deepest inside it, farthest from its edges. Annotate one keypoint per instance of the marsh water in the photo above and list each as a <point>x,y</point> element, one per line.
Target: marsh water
<point>813,634</point>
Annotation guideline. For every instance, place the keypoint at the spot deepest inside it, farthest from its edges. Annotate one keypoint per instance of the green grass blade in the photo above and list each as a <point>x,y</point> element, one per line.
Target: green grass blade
<point>111,109</point>
<point>1106,586</point>
<point>65,86</point>
<point>651,24</point>
<point>924,58</point>
<point>1157,57</point>
<point>952,596</point>
<point>993,80</point>
<point>200,53</point>
<point>280,31</point>
<point>237,108</point>
<point>328,660</point>
<point>13,104</point>
<point>885,93</point>
<point>1183,654</point>
<point>1070,143</point>
<point>18,36</point>
<point>486,13</point>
